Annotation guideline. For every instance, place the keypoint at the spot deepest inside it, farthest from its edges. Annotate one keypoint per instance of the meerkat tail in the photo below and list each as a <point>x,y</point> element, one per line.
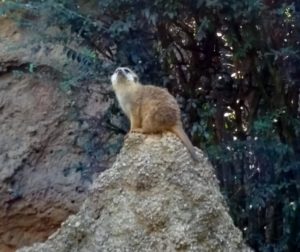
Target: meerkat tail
<point>178,131</point>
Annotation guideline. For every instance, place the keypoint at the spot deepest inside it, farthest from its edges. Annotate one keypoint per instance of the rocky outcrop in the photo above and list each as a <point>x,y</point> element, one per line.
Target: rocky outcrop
<point>51,140</point>
<point>153,198</point>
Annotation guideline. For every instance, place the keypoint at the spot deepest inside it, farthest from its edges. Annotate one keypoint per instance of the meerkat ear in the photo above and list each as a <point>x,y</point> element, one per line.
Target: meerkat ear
<point>136,79</point>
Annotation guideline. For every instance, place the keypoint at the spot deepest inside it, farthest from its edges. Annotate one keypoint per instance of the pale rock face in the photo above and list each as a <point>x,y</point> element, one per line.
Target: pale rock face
<point>153,198</point>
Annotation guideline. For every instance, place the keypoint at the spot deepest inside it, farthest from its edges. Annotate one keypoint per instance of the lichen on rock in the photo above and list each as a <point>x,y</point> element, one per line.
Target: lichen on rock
<point>153,198</point>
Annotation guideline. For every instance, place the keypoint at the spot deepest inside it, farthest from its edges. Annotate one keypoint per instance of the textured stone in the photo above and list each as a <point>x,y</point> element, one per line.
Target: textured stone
<point>46,162</point>
<point>153,198</point>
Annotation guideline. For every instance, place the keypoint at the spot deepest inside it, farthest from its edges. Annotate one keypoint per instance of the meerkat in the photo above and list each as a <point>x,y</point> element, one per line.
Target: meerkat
<point>150,109</point>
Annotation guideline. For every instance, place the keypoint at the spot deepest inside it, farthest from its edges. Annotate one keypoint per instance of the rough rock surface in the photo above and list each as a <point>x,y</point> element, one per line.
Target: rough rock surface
<point>154,198</point>
<point>47,138</point>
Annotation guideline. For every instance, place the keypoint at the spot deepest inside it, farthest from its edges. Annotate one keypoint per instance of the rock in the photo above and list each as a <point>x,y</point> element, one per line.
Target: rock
<point>35,150</point>
<point>48,159</point>
<point>153,198</point>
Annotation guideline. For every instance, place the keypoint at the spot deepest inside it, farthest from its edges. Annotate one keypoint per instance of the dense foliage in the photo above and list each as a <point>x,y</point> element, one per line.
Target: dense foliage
<point>232,66</point>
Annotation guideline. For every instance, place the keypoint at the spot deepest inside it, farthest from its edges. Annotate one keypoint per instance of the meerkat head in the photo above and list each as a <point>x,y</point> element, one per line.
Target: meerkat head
<point>124,75</point>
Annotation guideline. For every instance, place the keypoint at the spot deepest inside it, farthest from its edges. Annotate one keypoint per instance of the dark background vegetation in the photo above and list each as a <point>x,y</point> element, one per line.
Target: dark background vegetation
<point>234,68</point>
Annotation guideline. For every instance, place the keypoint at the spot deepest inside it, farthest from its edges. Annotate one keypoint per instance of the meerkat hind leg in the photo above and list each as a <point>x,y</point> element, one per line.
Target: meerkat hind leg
<point>147,129</point>
<point>150,124</point>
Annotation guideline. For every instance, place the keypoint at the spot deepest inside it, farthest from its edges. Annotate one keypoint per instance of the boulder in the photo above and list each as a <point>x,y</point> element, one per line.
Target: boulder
<point>153,198</point>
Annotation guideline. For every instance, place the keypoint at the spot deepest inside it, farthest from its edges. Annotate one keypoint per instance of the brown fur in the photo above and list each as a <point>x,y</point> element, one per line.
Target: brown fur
<point>150,109</point>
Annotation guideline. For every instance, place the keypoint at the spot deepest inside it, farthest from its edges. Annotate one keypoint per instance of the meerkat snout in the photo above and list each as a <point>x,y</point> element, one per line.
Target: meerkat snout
<point>122,71</point>
<point>116,76</point>
<point>123,75</point>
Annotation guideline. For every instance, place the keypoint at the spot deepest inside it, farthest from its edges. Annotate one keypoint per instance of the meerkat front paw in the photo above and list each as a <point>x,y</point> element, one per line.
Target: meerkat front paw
<point>133,131</point>
<point>137,130</point>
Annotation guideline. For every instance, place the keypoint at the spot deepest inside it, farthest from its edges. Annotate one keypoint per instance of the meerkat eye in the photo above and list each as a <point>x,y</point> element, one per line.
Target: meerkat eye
<point>126,71</point>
